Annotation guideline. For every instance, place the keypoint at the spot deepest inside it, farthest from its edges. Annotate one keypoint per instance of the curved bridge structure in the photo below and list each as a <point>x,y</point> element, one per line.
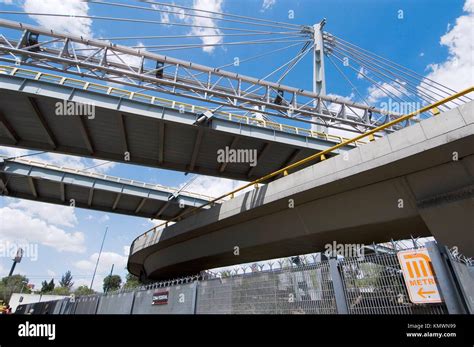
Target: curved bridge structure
<point>418,181</point>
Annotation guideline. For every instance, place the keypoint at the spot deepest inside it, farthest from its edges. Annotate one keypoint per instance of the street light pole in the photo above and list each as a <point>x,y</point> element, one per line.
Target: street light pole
<point>98,258</point>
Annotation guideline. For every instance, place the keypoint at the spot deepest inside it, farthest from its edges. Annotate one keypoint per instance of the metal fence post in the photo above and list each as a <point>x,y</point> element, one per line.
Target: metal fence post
<point>445,280</point>
<point>341,303</point>
<point>195,296</point>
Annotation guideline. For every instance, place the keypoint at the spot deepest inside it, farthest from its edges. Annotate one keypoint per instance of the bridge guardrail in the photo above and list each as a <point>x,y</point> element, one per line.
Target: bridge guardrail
<point>142,97</point>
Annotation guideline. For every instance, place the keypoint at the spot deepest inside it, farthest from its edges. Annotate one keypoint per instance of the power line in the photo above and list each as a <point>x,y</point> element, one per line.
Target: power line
<point>348,80</point>
<point>124,38</point>
<point>131,20</point>
<point>296,26</point>
<point>186,14</point>
<point>407,71</point>
<point>384,77</point>
<point>258,56</point>
<point>182,47</point>
<point>375,83</point>
<point>272,40</point>
<point>363,56</point>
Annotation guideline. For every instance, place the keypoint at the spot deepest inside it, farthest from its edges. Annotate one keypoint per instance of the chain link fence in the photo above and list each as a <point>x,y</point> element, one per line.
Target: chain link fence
<point>374,284</point>
<point>299,289</point>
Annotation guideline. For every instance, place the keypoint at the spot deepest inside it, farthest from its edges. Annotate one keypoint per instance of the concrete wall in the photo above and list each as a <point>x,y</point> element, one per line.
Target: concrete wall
<point>87,304</point>
<point>116,303</point>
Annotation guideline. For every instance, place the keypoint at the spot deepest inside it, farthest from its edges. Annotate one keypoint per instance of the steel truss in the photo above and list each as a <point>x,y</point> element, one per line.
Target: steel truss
<point>43,48</point>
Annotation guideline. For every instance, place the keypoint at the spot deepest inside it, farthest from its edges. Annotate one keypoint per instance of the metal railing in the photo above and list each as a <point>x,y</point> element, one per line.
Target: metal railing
<point>98,175</point>
<point>154,100</point>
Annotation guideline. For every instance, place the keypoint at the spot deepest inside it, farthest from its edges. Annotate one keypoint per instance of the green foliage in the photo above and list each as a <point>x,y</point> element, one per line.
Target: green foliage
<point>13,284</point>
<point>66,280</point>
<point>47,287</point>
<point>112,283</point>
<point>60,291</point>
<point>131,281</point>
<point>83,290</point>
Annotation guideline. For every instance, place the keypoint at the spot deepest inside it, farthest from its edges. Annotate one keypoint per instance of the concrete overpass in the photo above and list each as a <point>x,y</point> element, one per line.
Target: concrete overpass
<point>155,132</point>
<point>27,179</point>
<point>418,181</point>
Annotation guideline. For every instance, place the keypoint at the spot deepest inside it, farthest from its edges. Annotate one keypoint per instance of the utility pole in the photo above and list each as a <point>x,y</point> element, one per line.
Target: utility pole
<point>98,258</point>
<point>319,78</point>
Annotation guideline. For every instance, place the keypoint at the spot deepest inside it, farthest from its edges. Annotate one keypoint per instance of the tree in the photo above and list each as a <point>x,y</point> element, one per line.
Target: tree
<point>112,282</point>
<point>47,287</point>
<point>131,281</point>
<point>66,280</point>
<point>61,291</point>
<point>13,284</point>
<point>83,290</point>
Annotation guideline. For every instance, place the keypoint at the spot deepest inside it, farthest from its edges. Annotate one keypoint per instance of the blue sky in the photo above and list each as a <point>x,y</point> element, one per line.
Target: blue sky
<point>413,41</point>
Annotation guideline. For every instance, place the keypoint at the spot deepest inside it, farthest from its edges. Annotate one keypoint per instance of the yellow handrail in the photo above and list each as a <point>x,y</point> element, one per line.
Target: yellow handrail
<point>320,154</point>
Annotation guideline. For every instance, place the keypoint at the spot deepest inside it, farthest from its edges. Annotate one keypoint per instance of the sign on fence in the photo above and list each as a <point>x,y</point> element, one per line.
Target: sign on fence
<point>419,276</point>
<point>160,298</point>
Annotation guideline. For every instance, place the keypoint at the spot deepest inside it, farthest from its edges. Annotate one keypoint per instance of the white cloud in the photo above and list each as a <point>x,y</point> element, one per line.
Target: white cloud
<point>361,73</point>
<point>13,152</point>
<point>210,5</point>
<point>209,23</point>
<point>267,4</point>
<point>19,226</point>
<point>6,2</point>
<point>457,71</point>
<point>52,214</point>
<point>61,160</point>
<point>76,26</point>
<point>213,186</point>
<point>104,218</point>
<point>107,259</point>
<point>393,88</point>
<point>165,16</point>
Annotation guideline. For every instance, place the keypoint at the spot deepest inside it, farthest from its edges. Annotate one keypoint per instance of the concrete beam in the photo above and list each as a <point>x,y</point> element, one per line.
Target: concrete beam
<point>44,124</point>
<point>232,145</point>
<point>260,155</point>
<point>85,134</point>
<point>9,129</point>
<point>197,146</point>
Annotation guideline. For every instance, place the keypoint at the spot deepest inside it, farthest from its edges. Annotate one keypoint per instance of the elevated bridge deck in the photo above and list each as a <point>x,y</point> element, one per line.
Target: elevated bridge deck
<point>27,179</point>
<point>155,132</point>
<point>417,181</point>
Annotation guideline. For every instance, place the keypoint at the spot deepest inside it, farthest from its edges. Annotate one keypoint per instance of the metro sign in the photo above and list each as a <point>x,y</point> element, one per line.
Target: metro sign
<point>419,276</point>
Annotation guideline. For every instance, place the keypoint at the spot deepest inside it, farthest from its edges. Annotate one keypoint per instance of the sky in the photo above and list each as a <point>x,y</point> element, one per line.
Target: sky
<point>432,37</point>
